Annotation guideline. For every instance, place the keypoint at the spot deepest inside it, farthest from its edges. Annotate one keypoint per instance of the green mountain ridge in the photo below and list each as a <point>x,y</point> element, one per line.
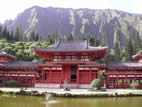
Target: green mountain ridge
<point>66,21</point>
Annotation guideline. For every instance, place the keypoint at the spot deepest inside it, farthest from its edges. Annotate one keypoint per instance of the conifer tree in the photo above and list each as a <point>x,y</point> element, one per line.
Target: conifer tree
<point>32,37</point>
<point>12,35</point>
<point>21,33</point>
<point>117,52</point>
<point>138,44</point>
<point>105,40</point>
<point>37,37</point>
<point>17,33</point>
<point>97,41</point>
<point>4,33</point>
<point>0,31</point>
<point>129,47</point>
<point>70,37</point>
<point>117,46</point>
<point>82,37</point>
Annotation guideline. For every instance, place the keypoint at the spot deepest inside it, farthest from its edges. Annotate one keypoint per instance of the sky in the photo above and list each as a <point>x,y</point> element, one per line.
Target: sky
<point>9,9</point>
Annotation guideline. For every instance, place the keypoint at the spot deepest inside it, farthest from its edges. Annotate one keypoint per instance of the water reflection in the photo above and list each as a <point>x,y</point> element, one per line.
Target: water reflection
<point>31,101</point>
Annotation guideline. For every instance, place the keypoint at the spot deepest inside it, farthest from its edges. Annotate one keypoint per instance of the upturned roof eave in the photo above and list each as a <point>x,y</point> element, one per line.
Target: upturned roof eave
<point>55,50</point>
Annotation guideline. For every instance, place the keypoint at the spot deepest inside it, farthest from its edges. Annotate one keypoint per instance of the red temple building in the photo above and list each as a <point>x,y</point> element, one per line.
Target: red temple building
<point>23,72</point>
<point>73,62</point>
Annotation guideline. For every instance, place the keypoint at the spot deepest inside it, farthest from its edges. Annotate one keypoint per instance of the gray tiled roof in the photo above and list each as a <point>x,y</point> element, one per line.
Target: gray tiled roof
<point>21,64</point>
<point>91,64</point>
<point>124,64</point>
<point>4,53</point>
<point>80,45</point>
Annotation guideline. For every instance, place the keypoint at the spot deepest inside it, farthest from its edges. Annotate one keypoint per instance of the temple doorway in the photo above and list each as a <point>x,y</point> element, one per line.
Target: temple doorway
<point>73,73</point>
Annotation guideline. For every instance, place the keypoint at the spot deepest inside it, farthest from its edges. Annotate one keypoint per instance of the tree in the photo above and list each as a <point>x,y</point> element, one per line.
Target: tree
<point>4,33</point>
<point>32,37</point>
<point>91,40</point>
<point>129,46</point>
<point>117,46</point>
<point>105,39</point>
<point>0,31</point>
<point>37,37</point>
<point>11,35</point>
<point>21,33</point>
<point>117,52</point>
<point>49,38</point>
<point>17,33</point>
<point>117,38</point>
<point>70,37</point>
<point>82,36</point>
<point>138,44</point>
<point>97,41</point>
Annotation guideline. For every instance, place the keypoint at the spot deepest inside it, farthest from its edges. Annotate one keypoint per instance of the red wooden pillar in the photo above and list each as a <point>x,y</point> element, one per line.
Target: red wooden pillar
<point>135,76</point>
<point>98,73</point>
<point>107,80</point>
<point>62,80</point>
<point>26,79</point>
<point>90,74</point>
<point>34,78</point>
<point>126,78</point>
<point>77,76</point>
<point>50,74</point>
<point>117,78</point>
<point>2,80</point>
<point>42,74</point>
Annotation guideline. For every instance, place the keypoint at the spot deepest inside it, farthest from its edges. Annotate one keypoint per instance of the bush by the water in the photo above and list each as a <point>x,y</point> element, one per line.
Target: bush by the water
<point>12,83</point>
<point>97,83</point>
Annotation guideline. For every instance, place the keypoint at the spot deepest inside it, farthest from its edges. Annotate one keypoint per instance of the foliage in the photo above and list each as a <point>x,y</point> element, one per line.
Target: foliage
<point>20,45</point>
<point>98,83</point>
<point>23,50</point>
<point>117,46</point>
<point>12,83</point>
<point>134,85</point>
<point>138,44</point>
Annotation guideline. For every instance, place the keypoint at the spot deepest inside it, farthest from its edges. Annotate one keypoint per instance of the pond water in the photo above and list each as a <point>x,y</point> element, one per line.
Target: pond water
<point>32,101</point>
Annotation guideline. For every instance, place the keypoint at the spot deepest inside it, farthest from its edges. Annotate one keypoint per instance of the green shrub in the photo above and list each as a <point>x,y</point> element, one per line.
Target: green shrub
<point>97,83</point>
<point>12,83</point>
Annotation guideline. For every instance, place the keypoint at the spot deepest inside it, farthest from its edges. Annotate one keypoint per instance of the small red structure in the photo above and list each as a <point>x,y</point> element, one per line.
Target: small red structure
<point>138,56</point>
<point>70,60</point>
<point>23,72</point>
<point>123,74</point>
<point>5,58</point>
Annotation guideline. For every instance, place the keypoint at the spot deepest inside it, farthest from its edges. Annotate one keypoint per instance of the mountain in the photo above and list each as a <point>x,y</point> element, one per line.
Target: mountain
<point>76,21</point>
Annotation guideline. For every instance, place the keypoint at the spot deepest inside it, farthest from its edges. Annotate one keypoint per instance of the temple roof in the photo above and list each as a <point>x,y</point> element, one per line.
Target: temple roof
<point>124,64</point>
<point>80,45</point>
<point>19,64</point>
<point>137,56</point>
<point>2,53</point>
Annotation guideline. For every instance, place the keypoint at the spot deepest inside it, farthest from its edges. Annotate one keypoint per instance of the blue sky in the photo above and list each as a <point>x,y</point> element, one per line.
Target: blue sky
<point>10,8</point>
